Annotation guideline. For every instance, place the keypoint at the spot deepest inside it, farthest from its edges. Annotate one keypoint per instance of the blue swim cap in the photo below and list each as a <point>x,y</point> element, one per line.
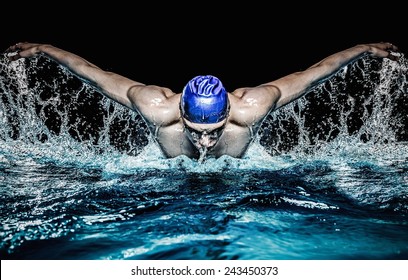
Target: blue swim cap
<point>204,100</point>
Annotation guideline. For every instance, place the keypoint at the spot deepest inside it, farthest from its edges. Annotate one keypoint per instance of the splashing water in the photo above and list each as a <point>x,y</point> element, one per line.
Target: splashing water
<point>361,106</point>
<point>47,112</point>
<point>325,178</point>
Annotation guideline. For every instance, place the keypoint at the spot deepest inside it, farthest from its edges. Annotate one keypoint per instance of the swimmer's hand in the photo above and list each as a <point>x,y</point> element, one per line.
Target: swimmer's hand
<point>22,50</point>
<point>384,50</point>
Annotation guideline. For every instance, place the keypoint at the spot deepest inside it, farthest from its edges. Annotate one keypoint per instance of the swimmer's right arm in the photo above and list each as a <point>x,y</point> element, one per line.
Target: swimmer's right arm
<point>112,85</point>
<point>295,85</point>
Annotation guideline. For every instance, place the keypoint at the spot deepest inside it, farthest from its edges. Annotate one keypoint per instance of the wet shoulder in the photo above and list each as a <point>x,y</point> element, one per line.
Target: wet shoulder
<point>249,106</point>
<point>157,105</point>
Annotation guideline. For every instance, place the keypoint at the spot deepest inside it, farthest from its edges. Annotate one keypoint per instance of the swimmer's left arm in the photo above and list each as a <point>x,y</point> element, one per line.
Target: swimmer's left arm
<point>110,84</point>
<point>294,86</point>
<point>152,102</point>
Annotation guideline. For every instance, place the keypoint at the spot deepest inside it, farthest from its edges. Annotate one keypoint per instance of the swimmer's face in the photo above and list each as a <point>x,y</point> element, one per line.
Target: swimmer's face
<point>204,135</point>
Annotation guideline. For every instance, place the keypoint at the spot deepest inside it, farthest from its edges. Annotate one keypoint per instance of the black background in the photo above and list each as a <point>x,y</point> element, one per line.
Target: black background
<point>167,44</point>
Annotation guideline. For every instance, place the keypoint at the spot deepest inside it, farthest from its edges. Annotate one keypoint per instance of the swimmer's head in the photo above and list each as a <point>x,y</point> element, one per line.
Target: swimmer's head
<point>204,100</point>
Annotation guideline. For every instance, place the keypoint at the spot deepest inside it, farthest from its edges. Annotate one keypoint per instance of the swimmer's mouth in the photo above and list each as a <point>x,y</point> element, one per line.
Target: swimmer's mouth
<point>203,153</point>
<point>204,150</point>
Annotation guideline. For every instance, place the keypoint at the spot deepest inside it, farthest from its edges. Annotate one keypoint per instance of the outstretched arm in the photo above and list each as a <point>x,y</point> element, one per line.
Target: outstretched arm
<point>110,84</point>
<point>295,85</point>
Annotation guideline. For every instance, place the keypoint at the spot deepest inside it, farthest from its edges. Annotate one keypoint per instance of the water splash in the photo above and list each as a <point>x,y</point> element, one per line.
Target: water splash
<point>48,114</point>
<point>363,107</point>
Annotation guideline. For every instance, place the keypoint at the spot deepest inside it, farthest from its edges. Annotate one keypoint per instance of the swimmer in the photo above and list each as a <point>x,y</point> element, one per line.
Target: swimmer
<point>204,120</point>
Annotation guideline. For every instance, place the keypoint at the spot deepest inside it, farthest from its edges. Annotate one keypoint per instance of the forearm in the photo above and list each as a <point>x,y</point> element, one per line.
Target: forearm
<point>76,64</point>
<point>297,84</point>
<point>342,58</point>
<point>110,84</point>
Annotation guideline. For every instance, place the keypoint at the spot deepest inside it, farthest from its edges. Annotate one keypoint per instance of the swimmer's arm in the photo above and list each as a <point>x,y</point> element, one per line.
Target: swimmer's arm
<point>294,86</point>
<point>112,85</point>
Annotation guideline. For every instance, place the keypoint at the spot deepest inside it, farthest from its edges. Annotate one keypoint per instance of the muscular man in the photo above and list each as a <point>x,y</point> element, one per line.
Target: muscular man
<point>205,119</point>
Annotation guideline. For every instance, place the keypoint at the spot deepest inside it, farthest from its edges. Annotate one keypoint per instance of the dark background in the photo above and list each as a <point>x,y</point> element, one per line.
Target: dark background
<point>164,44</point>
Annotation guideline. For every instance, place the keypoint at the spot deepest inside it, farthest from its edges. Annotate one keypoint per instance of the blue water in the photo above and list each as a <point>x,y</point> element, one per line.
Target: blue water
<point>80,178</point>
